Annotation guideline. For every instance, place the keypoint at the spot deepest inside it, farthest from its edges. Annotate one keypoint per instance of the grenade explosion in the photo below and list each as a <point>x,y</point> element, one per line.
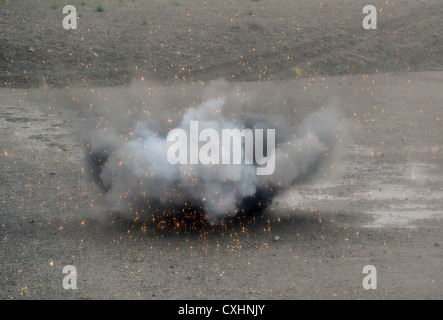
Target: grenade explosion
<point>148,173</point>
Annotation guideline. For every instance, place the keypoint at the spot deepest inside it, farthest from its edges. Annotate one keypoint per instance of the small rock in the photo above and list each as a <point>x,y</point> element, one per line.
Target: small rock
<point>31,49</point>
<point>276,238</point>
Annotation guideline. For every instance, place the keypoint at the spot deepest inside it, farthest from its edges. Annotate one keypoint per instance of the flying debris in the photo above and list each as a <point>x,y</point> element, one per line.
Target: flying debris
<point>133,169</point>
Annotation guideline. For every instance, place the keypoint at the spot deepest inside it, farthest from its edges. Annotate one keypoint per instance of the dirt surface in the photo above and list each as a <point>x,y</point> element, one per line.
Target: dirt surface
<point>242,40</point>
<point>383,208</point>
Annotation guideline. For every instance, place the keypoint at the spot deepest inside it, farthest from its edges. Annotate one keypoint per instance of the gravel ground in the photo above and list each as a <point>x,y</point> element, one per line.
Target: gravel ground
<point>383,208</point>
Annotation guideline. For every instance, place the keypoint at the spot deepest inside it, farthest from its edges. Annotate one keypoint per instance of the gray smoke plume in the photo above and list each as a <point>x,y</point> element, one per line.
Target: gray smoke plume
<point>132,168</point>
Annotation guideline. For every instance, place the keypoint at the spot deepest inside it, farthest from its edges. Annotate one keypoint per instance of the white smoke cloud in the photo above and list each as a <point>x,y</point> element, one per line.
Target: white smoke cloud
<point>133,169</point>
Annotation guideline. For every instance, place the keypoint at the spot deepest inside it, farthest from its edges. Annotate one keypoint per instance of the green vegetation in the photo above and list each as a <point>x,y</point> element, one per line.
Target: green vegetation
<point>298,71</point>
<point>138,257</point>
<point>100,7</point>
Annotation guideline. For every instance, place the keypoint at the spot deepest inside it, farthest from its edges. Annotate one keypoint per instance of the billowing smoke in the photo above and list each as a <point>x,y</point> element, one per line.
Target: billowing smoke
<point>133,169</point>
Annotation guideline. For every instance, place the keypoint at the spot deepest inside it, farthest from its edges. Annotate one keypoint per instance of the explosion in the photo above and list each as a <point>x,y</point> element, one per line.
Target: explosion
<point>138,181</point>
